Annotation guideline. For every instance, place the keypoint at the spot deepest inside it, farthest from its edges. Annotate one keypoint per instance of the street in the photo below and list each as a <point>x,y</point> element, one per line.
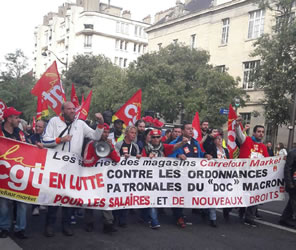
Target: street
<point>228,235</point>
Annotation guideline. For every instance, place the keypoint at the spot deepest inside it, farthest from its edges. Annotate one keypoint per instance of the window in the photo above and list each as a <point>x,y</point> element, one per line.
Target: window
<point>122,28</point>
<point>125,47</point>
<point>121,44</point>
<point>175,41</point>
<point>46,37</point>
<point>159,46</point>
<point>225,31</point>
<point>126,29</point>
<point>117,27</point>
<point>87,41</point>
<point>140,31</point>
<point>136,30</point>
<point>125,63</point>
<point>135,47</point>
<point>256,24</point>
<point>249,68</point>
<point>221,68</point>
<point>139,48</point>
<point>116,60</point>
<point>193,41</point>
<point>117,42</point>
<point>89,26</point>
<point>246,117</point>
<point>120,61</point>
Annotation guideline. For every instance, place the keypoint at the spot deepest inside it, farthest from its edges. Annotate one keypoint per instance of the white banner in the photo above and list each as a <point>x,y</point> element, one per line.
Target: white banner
<point>137,183</point>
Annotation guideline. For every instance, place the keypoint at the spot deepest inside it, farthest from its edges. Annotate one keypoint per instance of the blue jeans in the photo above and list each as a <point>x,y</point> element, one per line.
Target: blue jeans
<point>5,215</point>
<point>212,213</point>
<point>150,214</point>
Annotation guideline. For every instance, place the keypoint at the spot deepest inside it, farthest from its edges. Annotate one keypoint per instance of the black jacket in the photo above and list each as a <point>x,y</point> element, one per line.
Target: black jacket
<point>290,168</point>
<point>210,147</point>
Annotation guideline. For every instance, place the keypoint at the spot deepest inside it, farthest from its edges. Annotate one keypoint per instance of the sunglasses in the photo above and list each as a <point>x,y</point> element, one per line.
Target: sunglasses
<point>153,137</point>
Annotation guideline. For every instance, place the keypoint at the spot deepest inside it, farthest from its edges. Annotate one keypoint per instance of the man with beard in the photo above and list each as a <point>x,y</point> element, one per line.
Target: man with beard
<point>140,125</point>
<point>65,133</point>
<point>250,147</point>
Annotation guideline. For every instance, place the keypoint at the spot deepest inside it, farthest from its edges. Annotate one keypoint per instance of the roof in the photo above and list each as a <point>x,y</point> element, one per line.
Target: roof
<point>191,7</point>
<point>197,5</point>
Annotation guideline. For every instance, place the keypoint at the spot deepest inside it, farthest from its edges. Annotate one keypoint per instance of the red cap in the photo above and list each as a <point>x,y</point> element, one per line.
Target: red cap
<point>106,126</point>
<point>155,132</point>
<point>9,111</point>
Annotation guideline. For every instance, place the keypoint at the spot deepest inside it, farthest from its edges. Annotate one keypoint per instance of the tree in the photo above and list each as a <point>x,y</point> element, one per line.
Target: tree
<point>15,84</point>
<point>99,74</point>
<point>276,74</point>
<point>179,80</point>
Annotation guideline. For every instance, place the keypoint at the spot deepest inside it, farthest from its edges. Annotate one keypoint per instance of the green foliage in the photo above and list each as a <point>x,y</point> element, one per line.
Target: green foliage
<point>276,74</point>
<point>178,79</point>
<point>97,73</point>
<point>15,86</point>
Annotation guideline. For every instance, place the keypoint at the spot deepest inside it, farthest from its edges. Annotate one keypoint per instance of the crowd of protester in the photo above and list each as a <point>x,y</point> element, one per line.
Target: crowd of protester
<point>140,140</point>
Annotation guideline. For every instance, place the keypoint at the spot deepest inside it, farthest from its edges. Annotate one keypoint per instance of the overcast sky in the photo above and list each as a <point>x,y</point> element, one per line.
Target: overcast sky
<point>19,17</point>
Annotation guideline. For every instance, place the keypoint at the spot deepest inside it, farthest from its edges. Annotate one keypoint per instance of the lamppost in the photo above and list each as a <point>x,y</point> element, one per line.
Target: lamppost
<point>236,103</point>
<point>292,125</point>
<point>64,63</point>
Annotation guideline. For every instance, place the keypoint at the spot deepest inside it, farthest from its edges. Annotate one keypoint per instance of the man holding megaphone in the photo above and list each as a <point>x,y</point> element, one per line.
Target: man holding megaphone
<point>95,150</point>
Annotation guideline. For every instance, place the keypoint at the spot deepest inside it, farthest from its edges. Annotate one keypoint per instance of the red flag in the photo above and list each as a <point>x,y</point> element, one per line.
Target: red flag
<point>2,107</point>
<point>82,99</point>
<point>197,135</point>
<point>130,112</point>
<point>50,88</point>
<point>42,109</point>
<point>34,124</point>
<point>231,144</point>
<point>82,112</point>
<point>74,98</point>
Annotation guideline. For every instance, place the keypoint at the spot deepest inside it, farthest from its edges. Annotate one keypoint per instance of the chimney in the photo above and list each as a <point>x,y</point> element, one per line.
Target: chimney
<point>126,14</point>
<point>79,2</point>
<point>147,19</point>
<point>45,20</point>
<point>61,11</point>
<point>91,5</point>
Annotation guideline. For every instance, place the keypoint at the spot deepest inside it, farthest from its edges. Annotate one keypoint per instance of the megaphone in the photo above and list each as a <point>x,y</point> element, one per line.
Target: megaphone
<point>102,148</point>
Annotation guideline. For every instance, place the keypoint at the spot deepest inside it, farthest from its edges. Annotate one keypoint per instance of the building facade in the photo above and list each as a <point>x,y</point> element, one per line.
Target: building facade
<point>88,27</point>
<point>227,29</point>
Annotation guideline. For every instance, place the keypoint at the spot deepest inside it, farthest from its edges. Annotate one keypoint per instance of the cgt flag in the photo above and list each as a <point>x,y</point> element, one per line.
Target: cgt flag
<point>42,109</point>
<point>82,112</point>
<point>74,98</point>
<point>50,88</point>
<point>231,144</point>
<point>130,112</point>
<point>197,135</point>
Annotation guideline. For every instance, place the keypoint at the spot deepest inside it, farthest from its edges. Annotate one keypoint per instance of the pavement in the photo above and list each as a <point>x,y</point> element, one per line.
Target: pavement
<point>228,235</point>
